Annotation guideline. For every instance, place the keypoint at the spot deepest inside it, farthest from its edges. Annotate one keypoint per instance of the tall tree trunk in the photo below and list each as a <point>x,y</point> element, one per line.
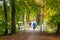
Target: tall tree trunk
<point>42,13</point>
<point>5,11</point>
<point>28,14</point>
<point>13,17</point>
<point>23,19</point>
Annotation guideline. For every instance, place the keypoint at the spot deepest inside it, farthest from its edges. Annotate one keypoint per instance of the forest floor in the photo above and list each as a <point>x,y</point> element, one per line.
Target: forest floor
<point>31,35</point>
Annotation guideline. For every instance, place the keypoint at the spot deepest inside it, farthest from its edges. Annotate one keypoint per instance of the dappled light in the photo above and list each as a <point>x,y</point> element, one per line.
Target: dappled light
<point>30,19</point>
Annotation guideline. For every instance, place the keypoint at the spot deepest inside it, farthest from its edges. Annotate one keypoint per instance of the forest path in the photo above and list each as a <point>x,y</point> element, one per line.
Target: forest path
<point>31,35</point>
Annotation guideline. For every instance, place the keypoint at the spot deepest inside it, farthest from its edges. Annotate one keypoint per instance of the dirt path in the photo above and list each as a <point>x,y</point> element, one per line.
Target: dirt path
<point>31,35</point>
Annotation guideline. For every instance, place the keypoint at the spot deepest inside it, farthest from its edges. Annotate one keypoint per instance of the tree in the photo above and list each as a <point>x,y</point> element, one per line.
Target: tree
<point>52,13</point>
<point>5,11</point>
<point>58,29</point>
<point>13,16</point>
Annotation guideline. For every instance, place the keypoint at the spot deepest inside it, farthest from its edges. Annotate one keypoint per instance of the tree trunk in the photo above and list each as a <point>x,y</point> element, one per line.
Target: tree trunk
<point>6,28</point>
<point>38,19</point>
<point>13,17</point>
<point>42,13</point>
<point>28,14</point>
<point>58,29</point>
<point>23,19</point>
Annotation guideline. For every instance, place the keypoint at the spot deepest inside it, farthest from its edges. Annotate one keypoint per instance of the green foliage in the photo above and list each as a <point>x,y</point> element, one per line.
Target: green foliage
<point>31,9</point>
<point>52,13</point>
<point>2,23</point>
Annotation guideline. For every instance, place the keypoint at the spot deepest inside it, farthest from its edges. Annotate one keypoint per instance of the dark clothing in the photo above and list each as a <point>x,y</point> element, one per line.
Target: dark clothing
<point>30,24</point>
<point>34,25</point>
